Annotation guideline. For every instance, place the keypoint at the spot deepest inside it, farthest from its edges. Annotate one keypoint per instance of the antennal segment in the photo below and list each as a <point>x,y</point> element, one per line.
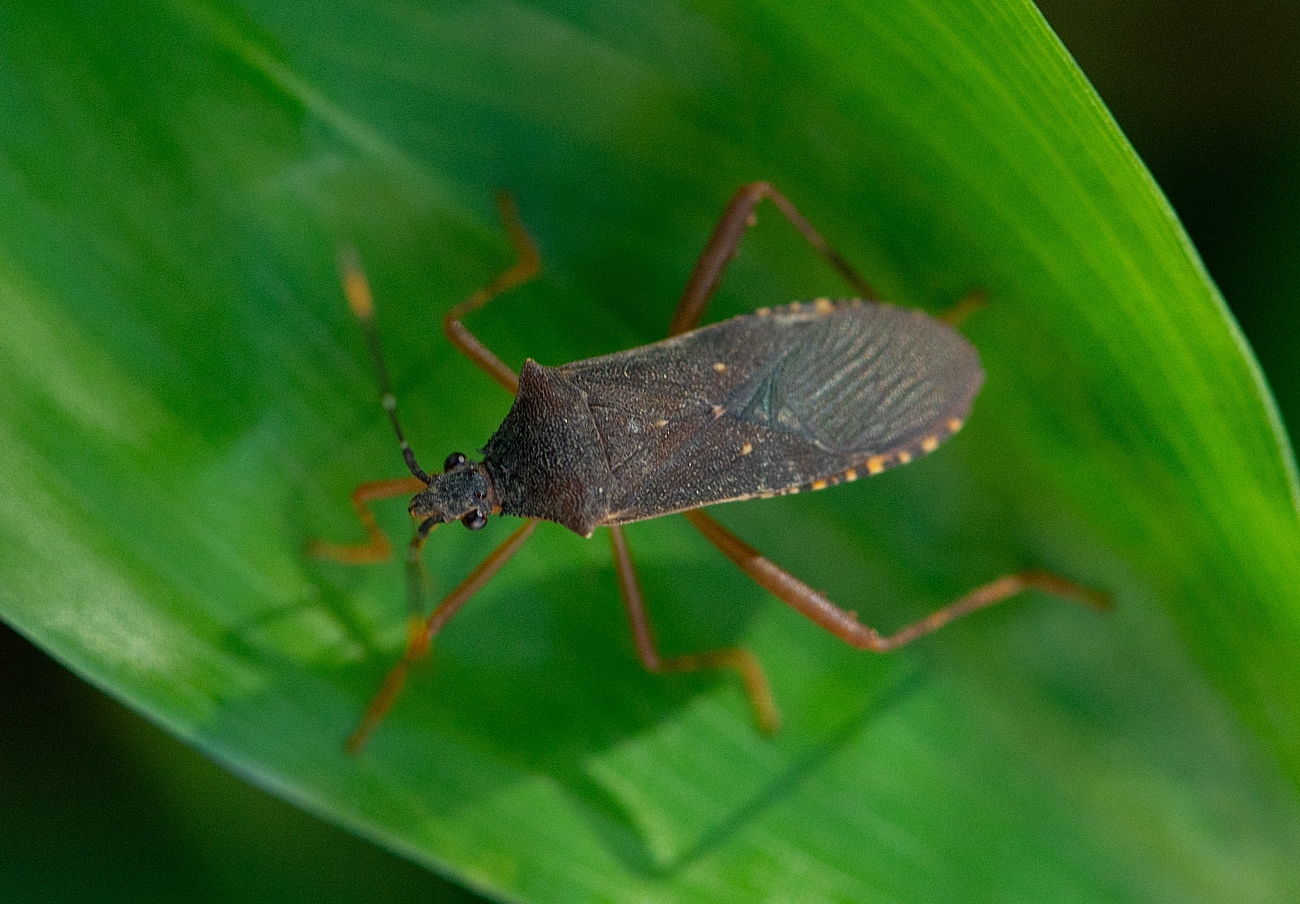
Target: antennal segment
<point>362,303</point>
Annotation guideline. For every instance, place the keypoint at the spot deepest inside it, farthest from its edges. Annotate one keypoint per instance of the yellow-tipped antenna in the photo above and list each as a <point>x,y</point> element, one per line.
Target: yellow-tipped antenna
<point>362,303</point>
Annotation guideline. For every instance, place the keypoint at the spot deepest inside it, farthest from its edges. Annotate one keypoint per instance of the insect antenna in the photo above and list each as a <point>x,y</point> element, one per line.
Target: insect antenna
<point>362,303</point>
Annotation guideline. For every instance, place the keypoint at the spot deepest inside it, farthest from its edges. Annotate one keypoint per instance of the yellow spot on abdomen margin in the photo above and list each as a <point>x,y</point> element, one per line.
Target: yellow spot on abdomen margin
<point>930,443</point>
<point>875,464</point>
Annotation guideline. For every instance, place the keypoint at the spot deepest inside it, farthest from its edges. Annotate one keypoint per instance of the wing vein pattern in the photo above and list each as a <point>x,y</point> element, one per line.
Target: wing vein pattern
<point>797,397</point>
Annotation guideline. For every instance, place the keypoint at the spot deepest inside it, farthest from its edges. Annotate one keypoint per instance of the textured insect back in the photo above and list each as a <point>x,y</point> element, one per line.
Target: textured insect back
<point>781,400</point>
<point>874,382</point>
<point>547,459</point>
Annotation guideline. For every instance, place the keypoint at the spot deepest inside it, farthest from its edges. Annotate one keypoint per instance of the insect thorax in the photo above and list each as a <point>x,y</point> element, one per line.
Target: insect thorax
<point>546,458</point>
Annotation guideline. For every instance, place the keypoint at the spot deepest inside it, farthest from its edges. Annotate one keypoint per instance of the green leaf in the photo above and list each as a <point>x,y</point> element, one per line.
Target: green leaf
<point>186,402</point>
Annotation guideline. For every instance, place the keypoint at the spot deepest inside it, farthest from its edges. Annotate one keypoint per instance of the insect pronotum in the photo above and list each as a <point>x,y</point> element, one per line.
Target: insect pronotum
<point>782,400</point>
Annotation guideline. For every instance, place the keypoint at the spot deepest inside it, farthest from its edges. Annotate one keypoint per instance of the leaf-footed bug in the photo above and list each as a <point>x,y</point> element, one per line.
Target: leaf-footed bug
<point>778,401</point>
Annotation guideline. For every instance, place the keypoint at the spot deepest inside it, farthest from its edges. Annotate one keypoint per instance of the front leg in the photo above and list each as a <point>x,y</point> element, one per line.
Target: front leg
<point>376,548</point>
<point>526,266</point>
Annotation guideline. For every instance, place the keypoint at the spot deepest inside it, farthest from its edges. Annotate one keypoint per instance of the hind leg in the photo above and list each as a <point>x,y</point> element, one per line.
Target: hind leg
<point>717,255</point>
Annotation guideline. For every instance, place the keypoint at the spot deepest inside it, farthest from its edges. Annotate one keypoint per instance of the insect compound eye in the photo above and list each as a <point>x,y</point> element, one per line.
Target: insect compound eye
<point>474,520</point>
<point>454,461</point>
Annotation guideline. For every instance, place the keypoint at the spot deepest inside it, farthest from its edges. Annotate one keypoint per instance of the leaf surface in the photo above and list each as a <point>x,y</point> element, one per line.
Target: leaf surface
<point>187,402</point>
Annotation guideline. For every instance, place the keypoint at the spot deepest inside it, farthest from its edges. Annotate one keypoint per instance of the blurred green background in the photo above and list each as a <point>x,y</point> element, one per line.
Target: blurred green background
<point>96,804</point>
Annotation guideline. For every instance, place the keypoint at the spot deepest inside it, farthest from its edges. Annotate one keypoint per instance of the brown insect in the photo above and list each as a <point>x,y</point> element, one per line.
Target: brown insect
<point>787,399</point>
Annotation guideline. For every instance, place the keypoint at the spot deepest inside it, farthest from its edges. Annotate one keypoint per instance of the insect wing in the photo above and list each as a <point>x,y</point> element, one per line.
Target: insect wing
<point>764,404</point>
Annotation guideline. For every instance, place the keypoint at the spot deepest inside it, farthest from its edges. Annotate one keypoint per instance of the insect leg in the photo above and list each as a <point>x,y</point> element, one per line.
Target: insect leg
<point>528,265</point>
<point>377,547</point>
<point>743,661</point>
<point>964,307</point>
<point>724,241</point>
<point>418,643</point>
<point>845,625</point>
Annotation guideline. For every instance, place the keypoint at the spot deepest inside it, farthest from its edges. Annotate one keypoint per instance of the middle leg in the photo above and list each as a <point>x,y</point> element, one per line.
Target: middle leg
<point>743,661</point>
<point>725,241</point>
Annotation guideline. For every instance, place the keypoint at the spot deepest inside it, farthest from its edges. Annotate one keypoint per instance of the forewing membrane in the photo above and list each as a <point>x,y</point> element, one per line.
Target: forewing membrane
<point>770,403</point>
